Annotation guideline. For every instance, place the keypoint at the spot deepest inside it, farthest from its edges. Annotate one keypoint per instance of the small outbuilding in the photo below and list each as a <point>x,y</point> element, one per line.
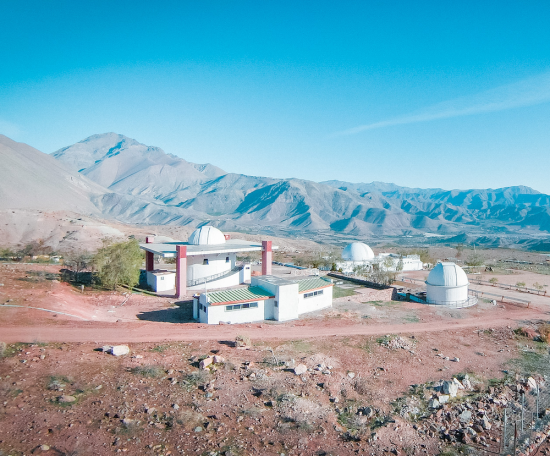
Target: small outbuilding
<point>267,298</point>
<point>447,285</point>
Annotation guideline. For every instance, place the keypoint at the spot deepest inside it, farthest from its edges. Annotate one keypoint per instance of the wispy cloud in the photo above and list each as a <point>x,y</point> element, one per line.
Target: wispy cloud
<point>527,92</point>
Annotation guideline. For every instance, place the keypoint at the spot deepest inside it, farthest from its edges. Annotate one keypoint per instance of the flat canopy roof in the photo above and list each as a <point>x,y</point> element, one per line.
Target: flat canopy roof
<point>168,249</point>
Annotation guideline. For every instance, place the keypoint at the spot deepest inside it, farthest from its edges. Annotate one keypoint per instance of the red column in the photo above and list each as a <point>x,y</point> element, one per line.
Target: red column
<point>267,257</point>
<point>181,271</point>
<point>149,256</point>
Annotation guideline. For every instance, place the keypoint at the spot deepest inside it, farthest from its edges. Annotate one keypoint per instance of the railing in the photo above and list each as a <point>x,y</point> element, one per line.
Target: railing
<point>506,286</point>
<point>211,278</point>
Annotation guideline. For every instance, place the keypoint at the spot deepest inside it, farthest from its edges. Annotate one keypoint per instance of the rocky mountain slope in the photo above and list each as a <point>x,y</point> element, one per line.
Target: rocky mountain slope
<point>30,179</point>
<point>117,178</point>
<point>150,186</point>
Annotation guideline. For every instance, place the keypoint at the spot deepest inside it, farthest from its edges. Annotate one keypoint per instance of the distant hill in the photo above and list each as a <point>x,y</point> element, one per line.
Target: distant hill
<point>120,179</point>
<point>30,179</point>
<point>150,186</point>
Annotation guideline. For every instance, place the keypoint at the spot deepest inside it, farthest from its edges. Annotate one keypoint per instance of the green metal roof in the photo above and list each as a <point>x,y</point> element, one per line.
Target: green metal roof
<point>312,284</point>
<point>239,295</point>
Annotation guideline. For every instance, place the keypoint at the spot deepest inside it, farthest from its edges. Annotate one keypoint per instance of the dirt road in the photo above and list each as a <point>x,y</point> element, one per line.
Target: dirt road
<point>159,332</point>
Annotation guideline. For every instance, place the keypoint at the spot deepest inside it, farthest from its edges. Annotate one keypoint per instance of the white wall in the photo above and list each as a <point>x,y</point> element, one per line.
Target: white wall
<point>215,314</point>
<point>160,282</point>
<point>230,281</point>
<point>446,295</point>
<point>316,302</point>
<point>286,296</point>
<point>245,273</point>
<point>216,264</point>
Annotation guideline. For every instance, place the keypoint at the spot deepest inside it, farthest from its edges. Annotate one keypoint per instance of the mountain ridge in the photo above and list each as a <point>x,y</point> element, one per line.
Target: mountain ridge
<point>135,183</point>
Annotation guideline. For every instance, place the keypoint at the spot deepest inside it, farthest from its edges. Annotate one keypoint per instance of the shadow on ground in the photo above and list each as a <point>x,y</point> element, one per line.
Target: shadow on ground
<point>182,312</point>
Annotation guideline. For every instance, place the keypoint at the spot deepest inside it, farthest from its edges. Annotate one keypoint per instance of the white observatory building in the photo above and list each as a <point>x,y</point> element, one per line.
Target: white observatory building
<point>360,254</point>
<point>447,285</point>
<point>208,260</point>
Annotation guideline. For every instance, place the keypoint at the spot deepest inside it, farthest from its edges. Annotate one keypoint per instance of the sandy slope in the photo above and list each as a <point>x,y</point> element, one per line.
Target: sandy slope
<point>30,179</point>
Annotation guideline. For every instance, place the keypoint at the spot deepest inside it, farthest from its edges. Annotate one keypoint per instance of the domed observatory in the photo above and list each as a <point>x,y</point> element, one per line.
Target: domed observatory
<point>206,235</point>
<point>447,285</point>
<point>357,252</point>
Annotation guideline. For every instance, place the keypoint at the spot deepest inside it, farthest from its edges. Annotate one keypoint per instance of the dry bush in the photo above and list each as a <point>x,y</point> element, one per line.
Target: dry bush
<point>148,371</point>
<point>190,418</point>
<point>544,331</point>
<point>361,386</point>
<point>3,347</point>
<point>526,332</point>
<point>194,379</point>
<point>304,412</point>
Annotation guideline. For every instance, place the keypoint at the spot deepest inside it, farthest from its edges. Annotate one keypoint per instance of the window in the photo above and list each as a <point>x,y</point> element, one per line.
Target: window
<point>162,278</point>
<point>247,305</point>
<point>227,259</point>
<point>313,293</point>
<point>205,261</point>
<point>276,303</point>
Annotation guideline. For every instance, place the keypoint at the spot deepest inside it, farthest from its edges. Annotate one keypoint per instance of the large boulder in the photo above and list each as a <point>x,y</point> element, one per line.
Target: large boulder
<point>450,388</point>
<point>119,350</point>
<point>300,369</point>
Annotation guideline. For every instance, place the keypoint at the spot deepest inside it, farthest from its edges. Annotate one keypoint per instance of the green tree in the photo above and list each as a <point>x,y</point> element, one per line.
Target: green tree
<point>520,284</point>
<point>494,281</point>
<point>399,266</point>
<point>538,286</point>
<point>119,264</point>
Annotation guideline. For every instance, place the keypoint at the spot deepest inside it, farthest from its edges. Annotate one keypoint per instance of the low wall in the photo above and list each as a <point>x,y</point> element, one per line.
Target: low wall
<point>372,294</point>
<point>304,272</point>
<point>372,291</point>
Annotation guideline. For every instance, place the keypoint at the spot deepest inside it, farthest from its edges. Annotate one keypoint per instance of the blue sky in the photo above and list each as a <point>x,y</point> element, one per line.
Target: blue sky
<point>428,94</point>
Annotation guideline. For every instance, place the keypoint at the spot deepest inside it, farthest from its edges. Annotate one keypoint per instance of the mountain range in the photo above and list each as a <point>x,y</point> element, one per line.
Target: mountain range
<point>119,178</point>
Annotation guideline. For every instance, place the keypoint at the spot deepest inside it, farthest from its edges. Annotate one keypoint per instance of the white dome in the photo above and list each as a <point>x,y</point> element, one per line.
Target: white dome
<point>357,251</point>
<point>206,235</point>
<point>447,275</point>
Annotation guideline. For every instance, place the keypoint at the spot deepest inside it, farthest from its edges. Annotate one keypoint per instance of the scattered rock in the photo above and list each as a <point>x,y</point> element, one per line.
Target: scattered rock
<point>351,374</point>
<point>433,403</point>
<point>465,416</point>
<point>450,388</point>
<point>119,350</point>
<point>44,447</point>
<point>455,359</point>
<point>531,383</point>
<point>198,429</point>
<point>175,406</point>
<point>458,384</point>
<point>443,399</point>
<point>205,363</point>
<point>66,399</point>
<point>218,359</point>
<point>300,369</point>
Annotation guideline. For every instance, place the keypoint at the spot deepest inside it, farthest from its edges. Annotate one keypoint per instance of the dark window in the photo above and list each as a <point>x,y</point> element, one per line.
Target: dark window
<point>276,303</point>
<point>227,259</point>
<point>205,261</point>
